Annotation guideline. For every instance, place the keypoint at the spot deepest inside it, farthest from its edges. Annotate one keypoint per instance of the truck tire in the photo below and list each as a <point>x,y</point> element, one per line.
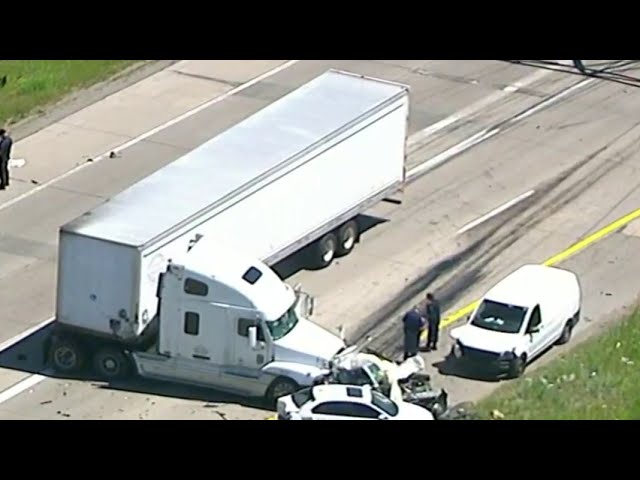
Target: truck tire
<point>66,355</point>
<point>347,238</point>
<point>111,364</point>
<point>325,250</point>
<point>280,387</point>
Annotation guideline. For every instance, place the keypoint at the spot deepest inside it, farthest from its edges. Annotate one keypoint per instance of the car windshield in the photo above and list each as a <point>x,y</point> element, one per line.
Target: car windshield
<point>383,403</point>
<point>282,326</point>
<point>499,317</point>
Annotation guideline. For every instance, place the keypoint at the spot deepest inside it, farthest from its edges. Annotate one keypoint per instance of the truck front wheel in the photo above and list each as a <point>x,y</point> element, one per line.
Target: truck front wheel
<point>281,387</point>
<point>66,355</point>
<point>111,364</point>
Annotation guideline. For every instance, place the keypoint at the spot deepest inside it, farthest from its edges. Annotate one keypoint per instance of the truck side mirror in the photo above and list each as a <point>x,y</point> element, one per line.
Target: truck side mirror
<point>253,337</point>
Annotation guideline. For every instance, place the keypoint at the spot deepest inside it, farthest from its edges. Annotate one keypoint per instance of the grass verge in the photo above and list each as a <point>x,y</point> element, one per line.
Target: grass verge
<point>597,380</point>
<point>26,86</point>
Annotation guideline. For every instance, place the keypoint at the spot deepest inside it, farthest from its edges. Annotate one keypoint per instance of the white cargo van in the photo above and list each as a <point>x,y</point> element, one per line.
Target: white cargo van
<point>518,319</point>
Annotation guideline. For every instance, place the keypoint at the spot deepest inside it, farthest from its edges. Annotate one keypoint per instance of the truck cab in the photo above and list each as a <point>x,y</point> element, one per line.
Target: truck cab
<point>229,322</point>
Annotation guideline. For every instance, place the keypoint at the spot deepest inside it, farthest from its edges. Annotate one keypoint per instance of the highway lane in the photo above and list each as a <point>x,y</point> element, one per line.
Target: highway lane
<point>436,206</point>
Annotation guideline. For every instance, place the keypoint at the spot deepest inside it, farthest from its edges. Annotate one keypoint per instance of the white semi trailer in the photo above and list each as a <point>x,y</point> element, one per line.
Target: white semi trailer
<point>172,276</point>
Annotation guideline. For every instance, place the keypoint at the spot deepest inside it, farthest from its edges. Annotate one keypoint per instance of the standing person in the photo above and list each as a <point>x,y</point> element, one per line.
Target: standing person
<point>432,311</point>
<point>6,142</point>
<point>413,325</point>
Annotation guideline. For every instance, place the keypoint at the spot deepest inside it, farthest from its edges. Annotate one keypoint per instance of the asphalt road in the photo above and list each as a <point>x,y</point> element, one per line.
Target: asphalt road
<point>570,159</point>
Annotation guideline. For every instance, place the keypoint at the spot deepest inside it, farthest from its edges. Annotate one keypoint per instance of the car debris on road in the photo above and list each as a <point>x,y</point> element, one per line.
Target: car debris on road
<point>399,381</point>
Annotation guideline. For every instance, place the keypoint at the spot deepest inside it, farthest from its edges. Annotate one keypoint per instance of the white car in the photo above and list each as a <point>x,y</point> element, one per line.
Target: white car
<point>346,402</point>
<point>518,319</point>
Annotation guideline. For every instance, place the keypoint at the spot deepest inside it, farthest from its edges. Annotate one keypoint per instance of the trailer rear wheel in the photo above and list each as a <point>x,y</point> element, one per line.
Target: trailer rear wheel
<point>325,250</point>
<point>66,355</point>
<point>347,238</point>
<point>111,364</point>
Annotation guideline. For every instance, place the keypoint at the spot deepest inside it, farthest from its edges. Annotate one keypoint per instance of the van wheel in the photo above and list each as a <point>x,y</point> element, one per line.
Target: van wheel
<point>66,355</point>
<point>280,387</point>
<point>325,250</point>
<point>575,319</point>
<point>565,336</point>
<point>111,364</point>
<point>347,238</point>
<point>518,367</point>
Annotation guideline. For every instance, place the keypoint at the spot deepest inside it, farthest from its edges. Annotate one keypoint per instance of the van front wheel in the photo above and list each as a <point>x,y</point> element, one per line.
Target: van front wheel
<point>518,367</point>
<point>565,336</point>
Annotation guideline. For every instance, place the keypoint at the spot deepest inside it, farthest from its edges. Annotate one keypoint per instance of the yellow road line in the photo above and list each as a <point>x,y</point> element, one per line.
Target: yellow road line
<point>572,250</point>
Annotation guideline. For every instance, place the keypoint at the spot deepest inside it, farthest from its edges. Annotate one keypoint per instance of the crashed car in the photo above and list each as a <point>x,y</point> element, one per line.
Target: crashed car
<point>400,381</point>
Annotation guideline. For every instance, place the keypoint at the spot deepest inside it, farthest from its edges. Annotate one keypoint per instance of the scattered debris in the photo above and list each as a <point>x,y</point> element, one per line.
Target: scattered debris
<point>607,294</point>
<point>35,182</point>
<point>113,155</point>
<point>64,414</point>
<point>618,345</point>
<point>46,402</point>
<point>627,361</point>
<point>593,374</point>
<point>89,160</point>
<point>497,415</point>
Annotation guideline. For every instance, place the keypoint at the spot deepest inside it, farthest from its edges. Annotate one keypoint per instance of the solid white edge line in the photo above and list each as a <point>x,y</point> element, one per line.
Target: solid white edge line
<point>21,386</point>
<point>21,336</point>
<point>151,132</point>
<point>495,211</point>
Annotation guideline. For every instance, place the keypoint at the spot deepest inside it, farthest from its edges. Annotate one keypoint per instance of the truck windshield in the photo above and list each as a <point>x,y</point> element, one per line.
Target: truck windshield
<point>499,317</point>
<point>280,327</point>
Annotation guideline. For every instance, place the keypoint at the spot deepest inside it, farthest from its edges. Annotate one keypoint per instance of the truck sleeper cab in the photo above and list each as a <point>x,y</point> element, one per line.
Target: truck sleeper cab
<point>518,319</point>
<point>240,330</point>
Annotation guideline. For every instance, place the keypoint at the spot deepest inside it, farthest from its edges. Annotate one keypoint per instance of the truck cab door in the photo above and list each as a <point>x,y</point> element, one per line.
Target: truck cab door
<point>195,358</point>
<point>251,351</point>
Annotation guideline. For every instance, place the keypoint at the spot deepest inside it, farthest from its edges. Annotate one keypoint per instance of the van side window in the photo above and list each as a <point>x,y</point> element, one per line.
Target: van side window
<point>243,328</point>
<point>191,323</point>
<point>196,287</point>
<point>536,319</point>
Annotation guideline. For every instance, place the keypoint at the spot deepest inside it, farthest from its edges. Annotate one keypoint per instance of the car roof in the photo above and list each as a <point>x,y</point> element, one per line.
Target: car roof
<point>523,286</point>
<point>340,392</point>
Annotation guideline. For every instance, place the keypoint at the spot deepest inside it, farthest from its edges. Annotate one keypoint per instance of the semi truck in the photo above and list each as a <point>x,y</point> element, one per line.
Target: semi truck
<point>172,278</point>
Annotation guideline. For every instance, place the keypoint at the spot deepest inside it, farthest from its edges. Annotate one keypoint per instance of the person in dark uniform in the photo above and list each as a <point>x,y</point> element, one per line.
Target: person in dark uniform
<point>432,311</point>
<point>6,142</point>
<point>413,325</point>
